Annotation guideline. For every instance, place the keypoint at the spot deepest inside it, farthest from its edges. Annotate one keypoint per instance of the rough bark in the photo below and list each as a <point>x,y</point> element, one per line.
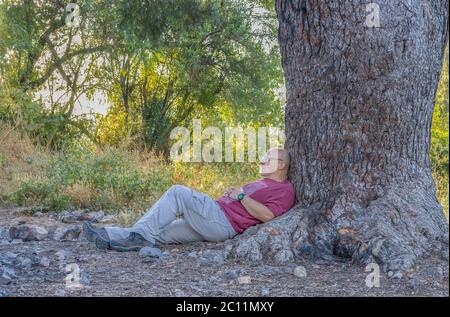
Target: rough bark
<point>358,118</point>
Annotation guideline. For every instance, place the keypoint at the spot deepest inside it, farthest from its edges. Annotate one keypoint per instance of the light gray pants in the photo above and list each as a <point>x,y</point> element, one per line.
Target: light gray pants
<point>181,215</point>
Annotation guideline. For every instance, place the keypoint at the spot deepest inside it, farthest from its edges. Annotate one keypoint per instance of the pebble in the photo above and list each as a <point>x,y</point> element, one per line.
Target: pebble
<point>192,254</point>
<point>246,279</point>
<point>69,233</point>
<point>60,292</point>
<point>45,262</point>
<point>212,257</point>
<point>28,232</point>
<point>26,263</point>
<point>150,252</point>
<point>265,292</point>
<point>300,271</point>
<point>61,255</point>
<point>179,293</point>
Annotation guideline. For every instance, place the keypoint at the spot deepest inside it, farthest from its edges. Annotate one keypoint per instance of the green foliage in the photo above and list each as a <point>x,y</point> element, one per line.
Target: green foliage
<point>440,138</point>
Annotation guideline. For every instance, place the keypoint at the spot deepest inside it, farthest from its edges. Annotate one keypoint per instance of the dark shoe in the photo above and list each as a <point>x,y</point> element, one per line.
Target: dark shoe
<point>98,236</point>
<point>134,242</point>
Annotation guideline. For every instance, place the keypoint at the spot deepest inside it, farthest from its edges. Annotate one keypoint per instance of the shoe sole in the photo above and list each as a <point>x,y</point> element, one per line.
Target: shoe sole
<point>94,237</point>
<point>120,248</point>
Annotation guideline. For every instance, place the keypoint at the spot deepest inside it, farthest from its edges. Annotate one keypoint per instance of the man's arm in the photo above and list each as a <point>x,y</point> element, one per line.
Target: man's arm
<point>254,208</point>
<point>257,210</point>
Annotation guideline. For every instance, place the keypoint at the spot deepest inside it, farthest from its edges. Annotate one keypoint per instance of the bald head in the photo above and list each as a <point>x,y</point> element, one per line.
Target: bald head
<point>283,155</point>
<point>275,164</point>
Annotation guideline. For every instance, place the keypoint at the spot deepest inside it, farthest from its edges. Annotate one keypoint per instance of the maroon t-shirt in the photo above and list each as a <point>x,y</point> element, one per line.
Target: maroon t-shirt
<point>279,197</point>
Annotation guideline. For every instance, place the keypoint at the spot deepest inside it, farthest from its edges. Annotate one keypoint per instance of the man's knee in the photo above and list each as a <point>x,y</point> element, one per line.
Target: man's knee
<point>178,190</point>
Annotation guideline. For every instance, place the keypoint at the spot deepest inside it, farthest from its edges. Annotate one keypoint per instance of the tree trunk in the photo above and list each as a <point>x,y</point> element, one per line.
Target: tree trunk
<point>358,117</point>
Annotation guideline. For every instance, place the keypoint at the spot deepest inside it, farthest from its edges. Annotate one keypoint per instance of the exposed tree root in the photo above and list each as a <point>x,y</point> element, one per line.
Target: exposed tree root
<point>393,230</point>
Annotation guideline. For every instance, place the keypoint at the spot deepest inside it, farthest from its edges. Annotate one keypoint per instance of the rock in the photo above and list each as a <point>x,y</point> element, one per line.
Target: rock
<point>415,283</point>
<point>3,293</point>
<point>85,278</point>
<point>38,214</point>
<point>4,242</point>
<point>28,233</point>
<point>61,255</point>
<point>69,233</point>
<point>45,262</point>
<point>60,293</point>
<point>270,270</point>
<point>5,260</point>
<point>246,279</point>
<point>11,255</point>
<point>7,274</point>
<point>70,216</point>
<point>396,275</point>
<point>16,241</point>
<point>434,273</point>
<point>232,274</point>
<point>94,216</point>
<point>179,293</point>
<point>265,292</point>
<point>212,257</point>
<point>35,260</point>
<point>108,219</point>
<point>25,263</point>
<point>300,271</point>
<point>192,254</point>
<point>150,252</point>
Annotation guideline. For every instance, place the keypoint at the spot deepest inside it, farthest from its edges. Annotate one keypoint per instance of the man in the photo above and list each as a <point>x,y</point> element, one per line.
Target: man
<point>183,215</point>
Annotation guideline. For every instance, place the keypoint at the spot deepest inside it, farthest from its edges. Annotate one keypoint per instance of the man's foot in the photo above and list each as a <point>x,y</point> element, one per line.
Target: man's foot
<point>97,235</point>
<point>134,242</point>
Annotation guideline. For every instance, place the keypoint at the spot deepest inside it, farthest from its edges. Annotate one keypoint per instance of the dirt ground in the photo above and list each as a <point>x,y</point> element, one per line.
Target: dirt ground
<point>77,268</point>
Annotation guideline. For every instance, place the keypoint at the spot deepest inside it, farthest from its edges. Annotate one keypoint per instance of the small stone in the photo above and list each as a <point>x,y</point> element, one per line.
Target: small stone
<point>16,241</point>
<point>5,280</point>
<point>265,292</point>
<point>11,255</point>
<point>212,257</point>
<point>415,283</point>
<point>108,219</point>
<point>38,214</point>
<point>4,242</point>
<point>69,233</point>
<point>150,252</point>
<point>179,293</point>
<point>70,216</point>
<point>96,216</point>
<point>45,262</point>
<point>26,263</point>
<point>3,293</point>
<point>60,292</point>
<point>396,275</point>
<point>174,250</point>
<point>192,254</point>
<point>85,278</point>
<point>232,274</point>
<point>8,273</point>
<point>61,255</point>
<point>246,279</point>
<point>300,271</point>
<point>434,273</point>
<point>28,233</point>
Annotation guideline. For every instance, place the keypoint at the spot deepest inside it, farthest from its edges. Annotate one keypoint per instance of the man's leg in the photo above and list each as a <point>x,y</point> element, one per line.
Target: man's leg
<point>200,212</point>
<point>179,231</point>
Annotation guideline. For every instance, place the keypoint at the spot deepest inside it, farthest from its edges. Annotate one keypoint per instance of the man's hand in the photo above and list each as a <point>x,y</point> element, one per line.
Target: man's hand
<point>233,192</point>
<point>254,208</point>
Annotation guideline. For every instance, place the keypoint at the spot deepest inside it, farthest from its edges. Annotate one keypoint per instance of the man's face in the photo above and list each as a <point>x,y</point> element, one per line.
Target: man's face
<point>269,163</point>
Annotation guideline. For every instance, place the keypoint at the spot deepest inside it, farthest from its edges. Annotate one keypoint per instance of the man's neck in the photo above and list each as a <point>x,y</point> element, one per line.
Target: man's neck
<point>277,177</point>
